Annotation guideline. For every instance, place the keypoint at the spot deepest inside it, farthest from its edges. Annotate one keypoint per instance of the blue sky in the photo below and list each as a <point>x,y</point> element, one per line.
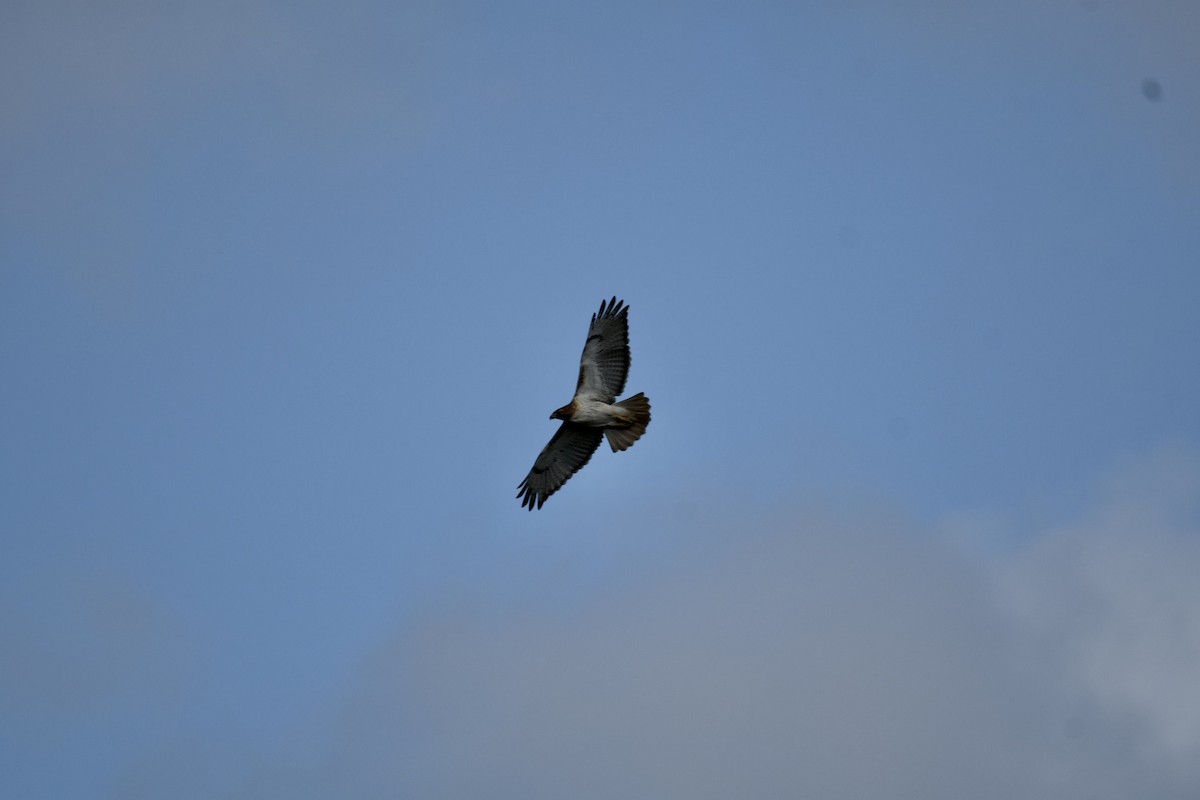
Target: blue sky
<point>288,291</point>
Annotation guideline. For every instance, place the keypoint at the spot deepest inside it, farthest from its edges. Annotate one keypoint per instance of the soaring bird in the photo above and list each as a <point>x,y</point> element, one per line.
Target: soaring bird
<point>591,415</point>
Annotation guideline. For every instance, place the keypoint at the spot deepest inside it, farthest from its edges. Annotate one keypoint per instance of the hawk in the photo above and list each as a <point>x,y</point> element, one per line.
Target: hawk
<point>591,415</point>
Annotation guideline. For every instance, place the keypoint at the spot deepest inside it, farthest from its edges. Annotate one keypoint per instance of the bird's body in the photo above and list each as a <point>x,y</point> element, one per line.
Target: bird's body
<point>592,413</point>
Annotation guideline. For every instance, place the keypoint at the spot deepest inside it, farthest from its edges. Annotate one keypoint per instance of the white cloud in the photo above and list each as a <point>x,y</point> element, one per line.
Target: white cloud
<point>832,657</point>
<point>1114,599</point>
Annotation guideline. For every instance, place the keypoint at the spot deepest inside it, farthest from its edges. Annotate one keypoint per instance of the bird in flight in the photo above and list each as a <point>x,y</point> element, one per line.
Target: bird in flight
<point>591,415</point>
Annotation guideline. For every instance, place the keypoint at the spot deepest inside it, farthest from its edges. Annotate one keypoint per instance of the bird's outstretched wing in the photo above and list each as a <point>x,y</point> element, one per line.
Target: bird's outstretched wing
<point>604,364</point>
<point>564,455</point>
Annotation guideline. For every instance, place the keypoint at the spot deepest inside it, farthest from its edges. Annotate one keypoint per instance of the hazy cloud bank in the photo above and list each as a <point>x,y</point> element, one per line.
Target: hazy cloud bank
<point>818,657</point>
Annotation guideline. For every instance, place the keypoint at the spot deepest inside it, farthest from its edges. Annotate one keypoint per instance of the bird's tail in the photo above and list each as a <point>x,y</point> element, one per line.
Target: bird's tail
<point>638,407</point>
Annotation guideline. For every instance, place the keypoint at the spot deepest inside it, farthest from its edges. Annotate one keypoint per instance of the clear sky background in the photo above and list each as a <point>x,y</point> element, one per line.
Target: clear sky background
<point>289,290</point>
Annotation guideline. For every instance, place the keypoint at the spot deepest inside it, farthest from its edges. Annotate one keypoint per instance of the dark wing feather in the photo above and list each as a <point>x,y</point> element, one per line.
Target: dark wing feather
<point>564,455</point>
<point>604,364</point>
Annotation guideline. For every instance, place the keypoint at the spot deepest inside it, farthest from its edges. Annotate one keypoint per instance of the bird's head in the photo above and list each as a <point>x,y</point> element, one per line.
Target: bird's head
<point>561,413</point>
